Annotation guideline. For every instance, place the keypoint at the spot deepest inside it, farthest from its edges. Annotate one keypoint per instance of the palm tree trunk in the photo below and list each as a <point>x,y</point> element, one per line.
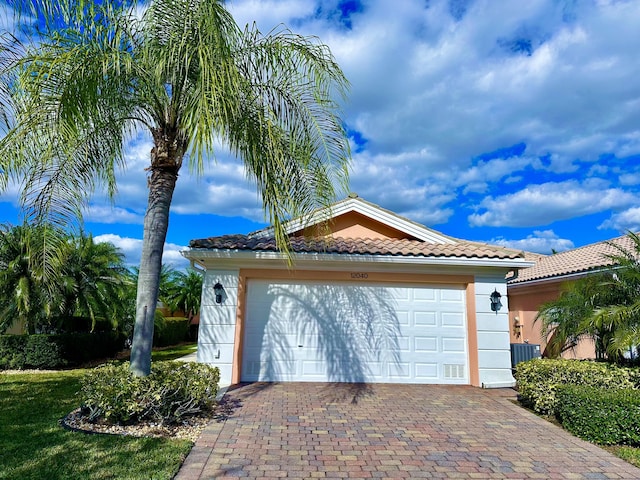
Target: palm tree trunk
<point>162,182</point>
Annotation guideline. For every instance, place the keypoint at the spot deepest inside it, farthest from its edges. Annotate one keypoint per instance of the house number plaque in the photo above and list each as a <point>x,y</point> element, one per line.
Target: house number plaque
<point>359,275</point>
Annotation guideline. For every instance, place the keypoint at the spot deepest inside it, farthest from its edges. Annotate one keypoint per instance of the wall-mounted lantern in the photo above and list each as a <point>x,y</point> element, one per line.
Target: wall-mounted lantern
<point>517,327</point>
<point>218,291</point>
<point>495,301</point>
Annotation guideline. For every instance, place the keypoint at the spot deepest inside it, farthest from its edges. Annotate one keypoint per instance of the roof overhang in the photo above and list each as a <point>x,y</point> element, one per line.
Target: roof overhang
<point>208,257</point>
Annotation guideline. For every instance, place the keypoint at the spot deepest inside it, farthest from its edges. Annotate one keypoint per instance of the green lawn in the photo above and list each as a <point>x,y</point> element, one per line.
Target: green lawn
<point>34,446</point>
<point>172,353</point>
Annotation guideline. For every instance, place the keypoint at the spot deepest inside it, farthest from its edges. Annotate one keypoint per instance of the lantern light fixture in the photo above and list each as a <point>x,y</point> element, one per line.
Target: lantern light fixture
<point>218,291</point>
<point>495,301</point>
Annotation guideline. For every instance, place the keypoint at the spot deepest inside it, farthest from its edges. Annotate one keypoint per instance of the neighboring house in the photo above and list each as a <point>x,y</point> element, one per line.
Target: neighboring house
<point>544,282</point>
<point>371,297</point>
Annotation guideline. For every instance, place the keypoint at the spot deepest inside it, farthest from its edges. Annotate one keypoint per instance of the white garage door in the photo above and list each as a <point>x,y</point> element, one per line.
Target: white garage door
<point>308,331</point>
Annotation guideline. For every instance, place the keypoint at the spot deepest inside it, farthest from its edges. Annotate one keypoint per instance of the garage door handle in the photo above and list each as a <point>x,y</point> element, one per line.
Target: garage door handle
<point>300,346</point>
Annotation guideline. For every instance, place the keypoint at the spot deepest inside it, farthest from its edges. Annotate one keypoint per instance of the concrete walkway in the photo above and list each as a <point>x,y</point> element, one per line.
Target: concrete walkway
<point>300,430</point>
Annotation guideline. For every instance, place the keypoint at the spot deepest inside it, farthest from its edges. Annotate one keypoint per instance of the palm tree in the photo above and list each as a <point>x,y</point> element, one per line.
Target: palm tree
<point>91,280</point>
<point>23,297</point>
<point>621,313</point>
<point>184,293</point>
<point>188,75</point>
<point>571,317</point>
<point>603,306</point>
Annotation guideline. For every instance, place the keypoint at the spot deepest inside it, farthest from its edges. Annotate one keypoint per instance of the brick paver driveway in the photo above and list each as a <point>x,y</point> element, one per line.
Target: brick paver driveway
<point>301,430</point>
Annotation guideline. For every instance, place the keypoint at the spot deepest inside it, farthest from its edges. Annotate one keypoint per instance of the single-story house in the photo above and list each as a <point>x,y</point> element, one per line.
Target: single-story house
<point>544,281</point>
<point>370,297</point>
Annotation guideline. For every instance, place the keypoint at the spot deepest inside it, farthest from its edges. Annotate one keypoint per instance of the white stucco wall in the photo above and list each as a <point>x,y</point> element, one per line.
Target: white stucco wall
<point>217,329</point>
<point>494,350</point>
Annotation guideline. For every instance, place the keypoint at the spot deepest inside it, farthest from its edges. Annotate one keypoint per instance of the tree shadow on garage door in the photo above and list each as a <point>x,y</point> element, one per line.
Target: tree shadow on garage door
<point>337,333</point>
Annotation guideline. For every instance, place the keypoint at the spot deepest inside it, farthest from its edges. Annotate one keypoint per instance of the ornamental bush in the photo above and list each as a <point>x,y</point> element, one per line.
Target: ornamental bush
<point>12,355</point>
<point>538,380</point>
<point>606,417</point>
<point>47,351</point>
<point>170,331</point>
<point>172,391</point>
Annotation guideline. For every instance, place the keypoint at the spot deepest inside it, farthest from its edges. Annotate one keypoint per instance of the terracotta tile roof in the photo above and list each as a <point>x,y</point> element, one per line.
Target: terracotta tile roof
<point>576,261</point>
<point>364,246</point>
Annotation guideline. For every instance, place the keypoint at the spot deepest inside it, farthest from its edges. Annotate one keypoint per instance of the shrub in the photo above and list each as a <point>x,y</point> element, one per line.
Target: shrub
<point>606,417</point>
<point>172,391</point>
<point>76,324</point>
<point>12,352</point>
<point>538,380</point>
<point>44,351</point>
<point>83,347</point>
<point>170,331</point>
<point>56,351</point>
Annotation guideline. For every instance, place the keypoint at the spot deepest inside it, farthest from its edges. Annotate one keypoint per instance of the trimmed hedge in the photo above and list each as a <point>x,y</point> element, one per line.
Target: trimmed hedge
<point>539,380</point>
<point>171,392</point>
<point>171,331</point>
<point>606,417</point>
<point>57,351</point>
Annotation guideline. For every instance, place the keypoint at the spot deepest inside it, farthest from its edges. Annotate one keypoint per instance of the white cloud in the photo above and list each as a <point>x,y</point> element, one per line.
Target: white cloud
<point>132,248</point>
<point>543,204</point>
<point>105,214</point>
<point>434,89</point>
<point>624,221</point>
<point>541,241</point>
<point>431,91</point>
<point>630,179</point>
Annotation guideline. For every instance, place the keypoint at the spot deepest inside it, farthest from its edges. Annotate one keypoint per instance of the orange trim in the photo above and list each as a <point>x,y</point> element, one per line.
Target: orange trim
<point>363,277</point>
<point>472,336</point>
<point>239,336</point>
<point>356,276</point>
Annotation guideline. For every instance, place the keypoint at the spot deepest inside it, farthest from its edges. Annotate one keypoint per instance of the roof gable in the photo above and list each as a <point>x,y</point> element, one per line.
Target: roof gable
<point>373,222</point>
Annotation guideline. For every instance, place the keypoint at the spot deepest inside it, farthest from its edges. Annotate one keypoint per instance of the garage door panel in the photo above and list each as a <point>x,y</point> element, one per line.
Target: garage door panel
<point>427,319</point>
<point>427,371</point>
<point>426,344</point>
<point>403,317</point>
<point>404,345</point>
<point>424,295</point>
<point>452,319</point>
<point>398,294</point>
<point>399,371</point>
<point>453,345</point>
<point>451,295</point>
<point>308,331</point>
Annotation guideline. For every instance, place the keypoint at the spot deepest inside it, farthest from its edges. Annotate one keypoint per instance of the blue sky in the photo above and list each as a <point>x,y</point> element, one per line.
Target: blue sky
<point>512,123</point>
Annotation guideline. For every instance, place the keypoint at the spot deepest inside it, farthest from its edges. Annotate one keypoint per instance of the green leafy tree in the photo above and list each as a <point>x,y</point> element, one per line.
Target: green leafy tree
<point>187,74</point>
<point>184,293</point>
<point>92,278</point>
<point>604,307</point>
<point>23,298</point>
<point>87,280</point>
<point>570,318</point>
<point>621,313</point>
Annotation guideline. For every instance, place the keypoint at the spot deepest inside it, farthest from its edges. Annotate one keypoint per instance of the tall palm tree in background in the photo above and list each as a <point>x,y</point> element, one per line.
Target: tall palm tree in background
<point>24,299</point>
<point>91,280</point>
<point>188,75</point>
<point>184,293</point>
<point>86,281</point>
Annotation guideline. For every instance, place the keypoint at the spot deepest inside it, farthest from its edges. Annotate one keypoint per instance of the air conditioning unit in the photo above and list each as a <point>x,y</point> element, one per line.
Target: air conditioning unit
<point>521,352</point>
